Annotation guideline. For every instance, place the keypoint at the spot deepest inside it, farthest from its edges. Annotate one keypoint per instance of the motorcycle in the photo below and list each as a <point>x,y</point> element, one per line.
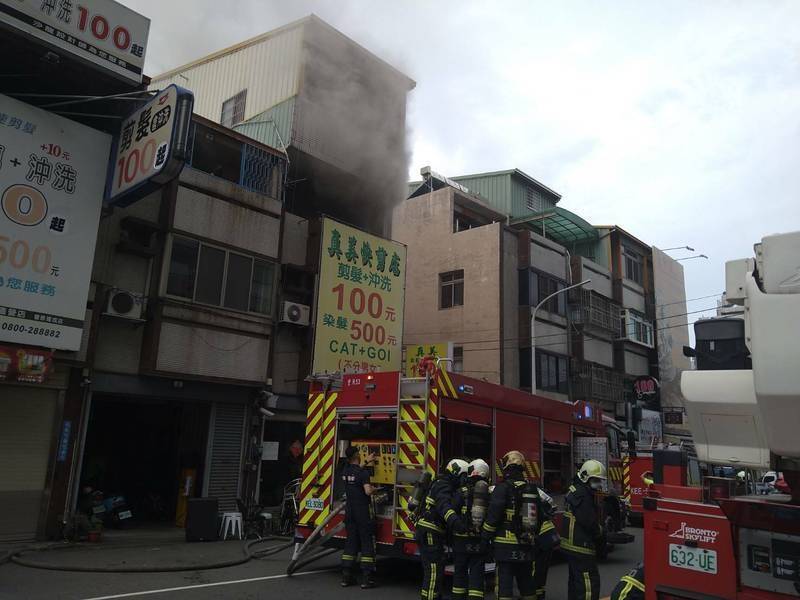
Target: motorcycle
<point>118,513</point>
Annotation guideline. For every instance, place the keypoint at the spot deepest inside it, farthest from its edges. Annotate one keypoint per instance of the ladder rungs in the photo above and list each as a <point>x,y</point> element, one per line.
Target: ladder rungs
<point>410,443</point>
<point>412,421</point>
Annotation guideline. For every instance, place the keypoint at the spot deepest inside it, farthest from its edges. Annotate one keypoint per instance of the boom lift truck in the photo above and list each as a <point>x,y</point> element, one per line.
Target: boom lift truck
<point>710,543</point>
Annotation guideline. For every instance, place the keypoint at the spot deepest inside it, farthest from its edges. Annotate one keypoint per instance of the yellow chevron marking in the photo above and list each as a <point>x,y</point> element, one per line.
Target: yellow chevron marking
<point>448,384</point>
<point>434,408</point>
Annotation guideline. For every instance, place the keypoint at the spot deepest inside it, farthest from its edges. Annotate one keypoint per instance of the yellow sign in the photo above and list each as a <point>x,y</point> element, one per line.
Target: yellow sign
<point>416,352</point>
<point>359,323</point>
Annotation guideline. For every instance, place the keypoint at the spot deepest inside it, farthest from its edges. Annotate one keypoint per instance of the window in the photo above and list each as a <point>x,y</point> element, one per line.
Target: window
<point>552,372</point>
<point>451,289</point>
<point>217,154</point>
<point>219,277</point>
<point>637,328</point>
<point>458,359</point>
<point>541,287</point>
<point>633,265</point>
<point>233,110</point>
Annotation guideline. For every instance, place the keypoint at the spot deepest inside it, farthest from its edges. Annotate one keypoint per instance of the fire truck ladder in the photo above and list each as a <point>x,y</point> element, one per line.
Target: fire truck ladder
<point>412,438</point>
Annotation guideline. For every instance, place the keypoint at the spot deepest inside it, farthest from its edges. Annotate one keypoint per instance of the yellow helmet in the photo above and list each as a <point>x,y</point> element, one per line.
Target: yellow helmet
<point>591,468</point>
<point>513,458</point>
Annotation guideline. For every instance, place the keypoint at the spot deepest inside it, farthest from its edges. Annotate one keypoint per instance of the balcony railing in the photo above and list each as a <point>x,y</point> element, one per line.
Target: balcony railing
<point>595,382</point>
<point>591,309</point>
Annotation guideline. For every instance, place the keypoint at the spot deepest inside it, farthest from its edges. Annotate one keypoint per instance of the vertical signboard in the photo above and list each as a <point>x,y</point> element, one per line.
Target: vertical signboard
<point>414,353</point>
<point>52,173</point>
<point>673,331</point>
<point>151,147</point>
<point>104,33</point>
<point>359,318</point>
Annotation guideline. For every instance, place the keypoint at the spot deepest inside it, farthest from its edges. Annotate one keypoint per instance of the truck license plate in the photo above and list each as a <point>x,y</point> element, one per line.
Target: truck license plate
<point>125,514</point>
<point>315,504</point>
<point>694,559</point>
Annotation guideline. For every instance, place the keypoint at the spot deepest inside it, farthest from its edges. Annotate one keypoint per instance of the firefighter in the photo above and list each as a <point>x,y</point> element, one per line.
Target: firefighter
<point>511,525</point>
<point>631,586</point>
<point>581,532</point>
<point>359,521</point>
<point>546,541</point>
<point>431,528</point>
<point>471,502</point>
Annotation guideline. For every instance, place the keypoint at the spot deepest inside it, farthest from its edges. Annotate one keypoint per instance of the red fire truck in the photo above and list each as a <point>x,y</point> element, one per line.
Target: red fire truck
<point>718,541</point>
<point>416,425</point>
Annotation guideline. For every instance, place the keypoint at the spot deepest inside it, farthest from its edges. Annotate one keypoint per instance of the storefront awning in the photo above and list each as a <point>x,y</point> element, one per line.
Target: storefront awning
<point>560,225</point>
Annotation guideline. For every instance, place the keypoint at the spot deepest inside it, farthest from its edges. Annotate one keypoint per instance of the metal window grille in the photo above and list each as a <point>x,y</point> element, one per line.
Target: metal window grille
<point>233,110</point>
<point>597,383</point>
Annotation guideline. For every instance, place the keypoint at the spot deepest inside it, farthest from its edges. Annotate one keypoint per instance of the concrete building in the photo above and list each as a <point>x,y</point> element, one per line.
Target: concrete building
<point>184,304</point>
<point>490,247</point>
<point>337,112</point>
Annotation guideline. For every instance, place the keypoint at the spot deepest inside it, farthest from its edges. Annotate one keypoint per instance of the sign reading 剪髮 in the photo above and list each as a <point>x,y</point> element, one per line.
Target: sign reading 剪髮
<point>359,322</point>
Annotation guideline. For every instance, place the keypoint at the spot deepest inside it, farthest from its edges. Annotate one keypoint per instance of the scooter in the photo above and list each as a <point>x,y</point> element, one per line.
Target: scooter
<point>117,512</point>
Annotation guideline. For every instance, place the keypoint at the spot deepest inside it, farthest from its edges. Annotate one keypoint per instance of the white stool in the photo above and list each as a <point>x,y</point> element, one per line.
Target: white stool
<point>231,525</point>
<point>266,520</point>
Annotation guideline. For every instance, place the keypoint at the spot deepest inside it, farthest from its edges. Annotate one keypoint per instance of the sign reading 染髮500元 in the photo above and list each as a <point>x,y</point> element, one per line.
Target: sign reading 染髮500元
<point>359,323</point>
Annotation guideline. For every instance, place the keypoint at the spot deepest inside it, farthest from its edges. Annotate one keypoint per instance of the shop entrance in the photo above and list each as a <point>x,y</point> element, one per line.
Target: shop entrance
<point>138,448</point>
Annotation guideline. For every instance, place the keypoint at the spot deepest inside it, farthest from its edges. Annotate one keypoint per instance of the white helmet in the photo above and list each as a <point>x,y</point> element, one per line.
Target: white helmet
<point>456,467</point>
<point>479,468</point>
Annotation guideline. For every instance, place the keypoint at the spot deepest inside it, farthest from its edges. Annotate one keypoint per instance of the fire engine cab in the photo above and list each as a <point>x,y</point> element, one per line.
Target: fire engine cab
<point>720,541</point>
<point>412,426</point>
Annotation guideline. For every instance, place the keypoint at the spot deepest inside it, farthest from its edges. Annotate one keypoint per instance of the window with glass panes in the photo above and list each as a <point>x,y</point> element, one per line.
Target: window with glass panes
<point>220,277</point>
<point>233,110</point>
<point>633,265</point>
<point>540,287</point>
<point>552,372</point>
<point>458,359</point>
<point>451,289</point>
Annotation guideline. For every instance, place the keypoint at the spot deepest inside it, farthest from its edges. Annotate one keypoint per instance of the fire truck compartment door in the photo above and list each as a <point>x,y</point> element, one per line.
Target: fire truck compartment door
<point>555,433</point>
<point>514,431</point>
<point>453,410</point>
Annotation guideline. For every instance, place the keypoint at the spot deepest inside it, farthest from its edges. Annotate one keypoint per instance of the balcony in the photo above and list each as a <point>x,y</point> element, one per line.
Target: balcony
<point>592,310</point>
<point>593,382</point>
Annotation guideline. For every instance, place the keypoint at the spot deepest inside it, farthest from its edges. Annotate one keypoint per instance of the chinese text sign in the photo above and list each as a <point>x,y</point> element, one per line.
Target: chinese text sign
<point>52,173</point>
<point>359,322</point>
<point>416,352</point>
<point>102,32</point>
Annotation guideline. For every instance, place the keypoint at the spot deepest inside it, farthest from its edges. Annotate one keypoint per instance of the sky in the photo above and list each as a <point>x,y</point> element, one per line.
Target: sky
<point>677,121</point>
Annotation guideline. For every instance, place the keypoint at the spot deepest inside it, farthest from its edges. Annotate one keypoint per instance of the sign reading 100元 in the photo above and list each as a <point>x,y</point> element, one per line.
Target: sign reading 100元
<point>359,322</point>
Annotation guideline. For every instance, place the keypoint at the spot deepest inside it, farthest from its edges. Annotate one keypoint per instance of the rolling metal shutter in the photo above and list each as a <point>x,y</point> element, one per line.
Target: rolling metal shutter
<point>226,454</point>
<point>26,435</point>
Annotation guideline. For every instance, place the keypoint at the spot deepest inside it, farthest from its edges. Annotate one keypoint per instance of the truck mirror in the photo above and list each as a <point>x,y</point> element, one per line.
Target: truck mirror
<point>689,352</point>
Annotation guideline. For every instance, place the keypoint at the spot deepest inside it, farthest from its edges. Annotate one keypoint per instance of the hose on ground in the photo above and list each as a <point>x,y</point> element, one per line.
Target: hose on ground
<point>248,555</point>
<point>313,540</point>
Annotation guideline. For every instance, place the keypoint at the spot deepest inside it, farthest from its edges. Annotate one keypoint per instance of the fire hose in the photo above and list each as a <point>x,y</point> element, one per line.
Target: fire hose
<point>317,538</point>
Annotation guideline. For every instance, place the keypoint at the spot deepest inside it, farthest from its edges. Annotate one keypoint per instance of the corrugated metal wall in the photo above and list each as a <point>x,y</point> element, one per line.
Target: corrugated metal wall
<point>269,70</point>
<point>495,188</point>
<point>263,126</point>
<point>226,454</point>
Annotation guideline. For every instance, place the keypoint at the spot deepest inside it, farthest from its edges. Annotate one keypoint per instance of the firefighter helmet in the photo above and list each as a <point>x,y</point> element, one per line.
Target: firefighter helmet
<point>479,468</point>
<point>592,469</point>
<point>514,458</point>
<point>456,467</point>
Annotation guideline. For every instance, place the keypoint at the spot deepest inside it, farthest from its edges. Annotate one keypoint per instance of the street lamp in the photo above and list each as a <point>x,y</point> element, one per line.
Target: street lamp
<point>533,327</point>
<point>691,257</point>
<point>689,248</point>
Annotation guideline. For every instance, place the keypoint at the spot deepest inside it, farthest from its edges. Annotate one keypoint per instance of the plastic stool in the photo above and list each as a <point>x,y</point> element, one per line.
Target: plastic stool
<point>231,525</point>
<point>266,518</point>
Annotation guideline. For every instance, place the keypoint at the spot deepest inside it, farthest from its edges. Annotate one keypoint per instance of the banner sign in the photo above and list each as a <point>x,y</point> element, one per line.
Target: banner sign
<point>359,318</point>
<point>25,365</point>
<point>52,172</point>
<point>151,147</point>
<point>416,352</point>
<point>645,387</point>
<point>104,33</point>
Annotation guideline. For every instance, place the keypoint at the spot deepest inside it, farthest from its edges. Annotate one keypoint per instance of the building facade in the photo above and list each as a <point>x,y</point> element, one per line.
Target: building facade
<point>337,113</point>
<point>489,249</point>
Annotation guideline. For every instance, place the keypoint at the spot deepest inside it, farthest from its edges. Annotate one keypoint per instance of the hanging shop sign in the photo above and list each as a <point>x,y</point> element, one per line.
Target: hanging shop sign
<point>103,33</point>
<point>645,387</point>
<point>673,417</point>
<point>415,353</point>
<point>359,318</point>
<point>151,148</point>
<point>52,172</point>
<point>25,365</point>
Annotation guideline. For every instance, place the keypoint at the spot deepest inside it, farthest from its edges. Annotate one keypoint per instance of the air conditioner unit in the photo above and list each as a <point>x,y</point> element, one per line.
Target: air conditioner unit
<point>292,312</point>
<point>125,304</point>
